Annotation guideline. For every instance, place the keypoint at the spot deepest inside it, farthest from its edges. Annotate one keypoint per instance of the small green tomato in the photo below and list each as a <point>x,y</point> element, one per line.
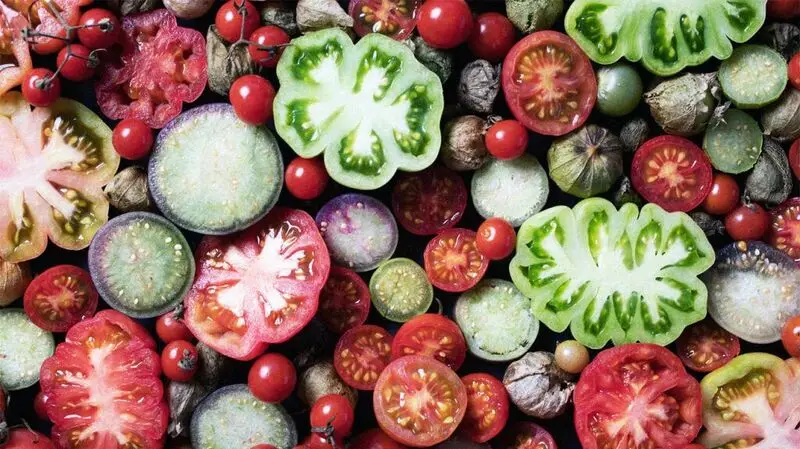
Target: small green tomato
<point>619,89</point>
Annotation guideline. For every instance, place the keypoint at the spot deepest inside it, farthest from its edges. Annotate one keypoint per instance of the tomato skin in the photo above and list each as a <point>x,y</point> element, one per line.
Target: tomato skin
<point>507,139</point>
<point>704,347</point>
<point>272,378</point>
<point>794,158</point>
<point>496,238</point>
<point>263,446</point>
<point>101,28</point>
<point>747,222</point>
<point>783,9</point>
<point>60,297</point>
<point>333,410</point>
<point>22,438</point>
<point>694,446</point>
<point>492,37</point>
<point>431,335</point>
<point>374,439</point>
<point>252,97</point>
<point>306,179</point>
<point>445,23</point>
<point>179,361</point>
<point>269,36</point>
<point>790,337</point>
<point>40,405</point>
<point>318,441</point>
<point>74,63</point>
<point>40,88</point>
<point>485,393</point>
<point>229,20</point>
<point>132,139</point>
<point>723,196</point>
<point>170,328</point>
<point>794,69</point>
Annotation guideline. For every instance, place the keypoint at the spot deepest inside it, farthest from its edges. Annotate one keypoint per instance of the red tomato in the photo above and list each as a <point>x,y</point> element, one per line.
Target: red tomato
<point>272,378</point>
<point>794,158</point>
<point>76,62</point>
<point>60,297</point>
<point>132,139</point>
<point>453,262</point>
<point>672,172</point>
<point>429,201</point>
<point>41,87</point>
<point>487,407</point>
<point>170,327</point>
<point>418,401</point>
<point>783,9</point>
<point>492,37</point>
<point>552,94</point>
<point>237,19</point>
<point>790,337</point>
<point>747,222</point>
<point>434,336</point>
<point>22,438</point>
<point>723,196</point>
<point>634,387</point>
<point>257,286</point>
<point>694,446</point>
<point>704,347</point>
<point>179,361</point>
<point>263,446</point>
<point>306,179</point>
<point>394,18</point>
<point>507,139</point>
<point>3,403</point>
<point>99,28</point>
<point>374,439</point>
<point>784,231</point>
<point>527,435</point>
<point>49,27</point>
<point>272,37</point>
<point>252,97</point>
<point>40,406</point>
<point>333,410</point>
<point>445,23</point>
<point>318,441</point>
<point>17,53</point>
<point>794,69</point>
<point>361,355</point>
<point>344,302</point>
<point>496,238</point>
<point>106,358</point>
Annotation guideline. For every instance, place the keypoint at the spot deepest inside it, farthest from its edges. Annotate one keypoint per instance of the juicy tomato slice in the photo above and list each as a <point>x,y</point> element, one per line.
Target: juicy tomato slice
<point>672,172</point>
<point>527,435</point>
<point>784,232</point>
<point>60,297</point>
<point>704,347</point>
<point>15,55</point>
<point>549,83</point>
<point>361,355</point>
<point>45,18</point>
<point>434,336</point>
<point>344,300</point>
<point>487,407</point>
<point>394,18</point>
<point>104,388</point>
<point>258,286</point>
<point>637,396</point>
<point>429,201</point>
<point>453,262</point>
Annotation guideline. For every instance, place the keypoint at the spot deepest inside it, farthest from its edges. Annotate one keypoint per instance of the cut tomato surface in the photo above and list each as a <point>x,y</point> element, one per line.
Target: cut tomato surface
<point>362,354</point>
<point>431,335</point>
<point>394,18</point>
<point>46,20</point>
<point>784,232</point>
<point>528,435</point>
<point>344,300</point>
<point>60,297</point>
<point>15,54</point>
<point>258,286</point>
<point>487,407</point>
<point>453,262</point>
<point>429,201</point>
<point>704,347</point>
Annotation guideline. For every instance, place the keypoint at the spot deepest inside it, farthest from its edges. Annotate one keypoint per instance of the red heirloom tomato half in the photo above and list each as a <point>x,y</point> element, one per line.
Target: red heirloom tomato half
<point>60,297</point>
<point>258,286</point>
<point>15,53</point>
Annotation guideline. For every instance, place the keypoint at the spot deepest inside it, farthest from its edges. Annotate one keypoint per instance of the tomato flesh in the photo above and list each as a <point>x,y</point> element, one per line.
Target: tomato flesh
<point>15,53</point>
<point>453,262</point>
<point>528,435</point>
<point>429,201</point>
<point>431,335</point>
<point>784,232</point>
<point>60,297</point>
<point>361,356</point>
<point>344,301</point>
<point>487,407</point>
<point>705,346</point>
<point>394,18</point>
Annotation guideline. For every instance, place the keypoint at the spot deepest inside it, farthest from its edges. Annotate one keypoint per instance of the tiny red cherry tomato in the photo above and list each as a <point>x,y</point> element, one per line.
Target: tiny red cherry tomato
<point>41,87</point>
<point>444,23</point>
<point>99,28</point>
<point>790,337</point>
<point>306,179</point>
<point>723,196</point>
<point>170,328</point>
<point>267,36</point>
<point>179,361</point>
<point>333,410</point>
<point>747,222</point>
<point>230,17</point>
<point>507,139</point>
<point>319,441</point>
<point>272,378</point>
<point>252,97</point>
<point>76,62</point>
<point>132,139</point>
<point>492,37</point>
<point>40,406</point>
<point>783,9</point>
<point>794,70</point>
<point>496,238</point>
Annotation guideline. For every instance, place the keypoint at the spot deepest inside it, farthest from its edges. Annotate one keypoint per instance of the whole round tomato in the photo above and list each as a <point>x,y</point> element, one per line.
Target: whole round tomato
<point>98,28</point>
<point>306,179</point>
<point>76,62</point>
<point>237,19</point>
<point>132,139</point>
<point>507,139</point>
<point>41,88</point>
<point>445,23</point>
<point>170,327</point>
<point>334,411</point>
<point>252,97</point>
<point>40,405</point>
<point>790,337</point>
<point>22,438</point>
<point>431,335</point>
<point>60,297</point>
<point>179,361</point>
<point>723,196</point>
<point>492,37</point>
<point>374,439</point>
<point>267,36</point>
<point>272,378</point>
<point>794,158</point>
<point>747,222</point>
<point>496,238</point>
<point>794,69</point>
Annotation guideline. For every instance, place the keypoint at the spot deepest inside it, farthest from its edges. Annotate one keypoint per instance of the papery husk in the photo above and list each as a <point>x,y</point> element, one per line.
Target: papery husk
<point>438,61</point>
<point>586,162</point>
<point>281,14</point>
<point>711,226</point>
<point>625,193</point>
<point>129,191</point>
<point>534,15</point>
<point>322,379</point>
<point>634,133</point>
<point>537,386</point>
<point>188,9</point>
<point>770,182</point>
<point>125,7</point>
<point>683,106</point>
<point>781,37</point>
<point>226,63</point>
<point>479,85</point>
<point>313,15</point>
<point>463,147</point>
<point>781,120</point>
<point>14,279</point>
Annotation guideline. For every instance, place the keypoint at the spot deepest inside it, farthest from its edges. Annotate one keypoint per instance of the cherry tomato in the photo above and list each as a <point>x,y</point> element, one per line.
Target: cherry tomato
<point>431,335</point>
<point>230,17</point>
<point>496,238</point>
<point>333,410</point>
<point>783,9</point>
<point>252,97</point>
<point>179,361</point>
<point>492,37</point>
<point>794,158</point>
<point>60,297</point>
<point>40,88</point>
<point>794,70</point>
<point>790,337</point>
<point>306,179</point>
<point>444,23</point>
<point>76,62</point>
<point>453,262</point>
<point>374,439</point>
<point>22,438</point>
<point>132,139</point>
<point>723,196</point>
<point>100,28</point>
<point>571,356</point>
<point>171,328</point>
<point>263,446</point>
<point>267,36</point>
<point>507,139</point>
<point>3,402</point>
<point>272,378</point>
<point>39,406</point>
<point>704,347</point>
<point>747,222</point>
<point>319,441</point>
<point>487,407</point>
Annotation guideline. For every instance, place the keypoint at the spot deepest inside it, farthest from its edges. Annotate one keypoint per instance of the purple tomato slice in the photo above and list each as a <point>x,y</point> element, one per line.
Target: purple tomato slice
<point>429,201</point>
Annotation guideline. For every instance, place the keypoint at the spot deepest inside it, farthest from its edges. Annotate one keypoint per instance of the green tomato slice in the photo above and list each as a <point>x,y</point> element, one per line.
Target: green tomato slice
<point>23,349</point>
<point>400,290</point>
<point>666,35</point>
<point>754,76</point>
<point>620,275</point>
<point>734,143</point>
<point>371,108</point>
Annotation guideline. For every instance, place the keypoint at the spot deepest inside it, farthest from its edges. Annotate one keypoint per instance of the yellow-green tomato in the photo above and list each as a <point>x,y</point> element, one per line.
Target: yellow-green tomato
<point>619,89</point>
<point>571,356</point>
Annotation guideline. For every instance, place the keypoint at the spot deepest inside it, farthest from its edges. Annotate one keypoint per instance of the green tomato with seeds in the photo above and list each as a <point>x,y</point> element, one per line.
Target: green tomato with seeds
<point>621,275</point>
<point>371,108</point>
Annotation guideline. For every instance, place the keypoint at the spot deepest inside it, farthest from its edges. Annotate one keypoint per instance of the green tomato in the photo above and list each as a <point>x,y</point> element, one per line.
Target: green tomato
<point>619,89</point>
<point>666,35</point>
<point>608,274</point>
<point>371,108</point>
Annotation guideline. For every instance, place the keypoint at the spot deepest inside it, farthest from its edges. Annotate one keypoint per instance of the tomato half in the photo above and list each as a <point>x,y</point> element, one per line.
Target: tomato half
<point>15,54</point>
<point>418,401</point>
<point>22,438</point>
<point>453,262</point>
<point>344,300</point>
<point>528,435</point>
<point>103,386</point>
<point>549,83</point>
<point>637,396</point>
<point>429,201</point>
<point>704,347</point>
<point>784,231</point>
<point>487,407</point>
<point>60,297</point>
<point>672,172</point>
<point>434,336</point>
<point>361,355</point>
<point>258,286</point>
<point>394,18</point>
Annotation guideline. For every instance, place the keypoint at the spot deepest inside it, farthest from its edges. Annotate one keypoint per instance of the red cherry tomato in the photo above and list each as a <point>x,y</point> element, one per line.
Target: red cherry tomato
<point>306,179</point>
<point>179,361</point>
<point>60,297</point>
<point>319,441</point>
<point>496,238</point>
<point>76,62</point>
<point>487,407</point>
<point>747,222</point>
<point>3,402</point>
<point>444,23</point>
<point>790,337</point>
<point>40,88</point>
<point>252,97</point>
<point>100,28</point>
<point>132,139</point>
<point>374,439</point>
<point>794,70</point>
<point>170,328</point>
<point>230,17</point>
<point>272,378</point>
<point>263,446</point>
<point>333,410</point>
<point>267,36</point>
<point>40,406</point>
<point>783,9</point>
<point>794,158</point>
<point>492,37</point>
<point>507,139</point>
<point>723,196</point>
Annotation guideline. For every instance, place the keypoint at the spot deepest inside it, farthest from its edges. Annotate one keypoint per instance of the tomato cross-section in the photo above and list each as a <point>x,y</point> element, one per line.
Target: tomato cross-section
<point>784,232</point>
<point>361,355</point>
<point>431,335</point>
<point>15,55</point>
<point>453,262</point>
<point>60,297</point>
<point>344,300</point>
<point>394,18</point>
<point>429,201</point>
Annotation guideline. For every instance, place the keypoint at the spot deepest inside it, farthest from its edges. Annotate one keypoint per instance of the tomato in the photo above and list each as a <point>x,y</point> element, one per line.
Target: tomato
<point>374,439</point>
<point>496,238</point>
<point>672,172</point>
<point>783,9</point>
<point>434,336</point>
<point>492,37</point>
<point>179,361</point>
<point>633,387</point>
<point>429,201</point>
<point>694,446</point>
<point>41,87</point>
<point>571,356</point>
<point>549,83</point>
<point>23,438</point>
<point>132,139</point>
<point>453,262</point>
<point>344,300</point>
<point>394,18</point>
<point>99,28</point>
<point>76,62</point>
<point>272,378</point>
<point>704,347</point>
<point>723,196</point>
<point>319,441</point>
<point>487,407</point>
<point>784,231</point>
<point>171,327</point>
<point>237,19</point>
<point>252,97</point>
<point>16,55</point>
<point>527,435</point>
<point>60,297</point>
<point>507,139</point>
<point>794,69</point>
<point>267,36</point>
<point>418,401</point>
<point>361,355</point>
<point>334,411</point>
<point>445,23</point>
<point>306,179</point>
<point>263,446</point>
<point>3,402</point>
<point>105,359</point>
<point>747,222</point>
<point>790,337</point>
<point>47,19</point>
<point>794,158</point>
<point>40,405</point>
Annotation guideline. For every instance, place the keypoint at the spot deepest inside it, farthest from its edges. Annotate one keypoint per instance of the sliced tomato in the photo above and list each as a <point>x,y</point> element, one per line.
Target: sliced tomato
<point>672,172</point>
<point>60,297</point>
<point>47,19</point>
<point>161,66</point>
<point>361,355</point>
<point>453,262</point>
<point>549,83</point>
<point>103,386</point>
<point>784,232</point>
<point>487,407</point>
<point>637,396</point>
<point>429,201</point>
<point>434,336</point>
<point>394,18</point>
<point>344,300</point>
<point>528,435</point>
<point>22,438</point>
<point>15,54</point>
<point>258,286</point>
<point>704,347</point>
<point>418,401</point>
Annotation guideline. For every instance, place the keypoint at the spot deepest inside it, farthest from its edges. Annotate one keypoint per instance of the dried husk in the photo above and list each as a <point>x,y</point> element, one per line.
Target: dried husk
<point>185,396</point>
<point>684,105</point>
<point>281,14</point>
<point>625,193</point>
<point>479,85</point>
<point>534,15</point>
<point>322,379</point>
<point>781,120</point>
<point>128,191</point>
<point>14,279</point>
<point>188,9</point>
<point>634,133</point>
<point>711,226</point>
<point>537,386</point>
<point>463,147</point>
<point>770,182</point>
<point>586,162</point>
<point>226,63</point>
<point>438,61</point>
<point>125,7</point>
<point>313,15</point>
<point>781,37</point>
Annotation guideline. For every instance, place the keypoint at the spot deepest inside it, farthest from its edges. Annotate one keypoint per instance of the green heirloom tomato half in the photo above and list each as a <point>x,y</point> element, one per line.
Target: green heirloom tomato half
<point>372,108</point>
<point>667,35</point>
<point>608,274</point>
